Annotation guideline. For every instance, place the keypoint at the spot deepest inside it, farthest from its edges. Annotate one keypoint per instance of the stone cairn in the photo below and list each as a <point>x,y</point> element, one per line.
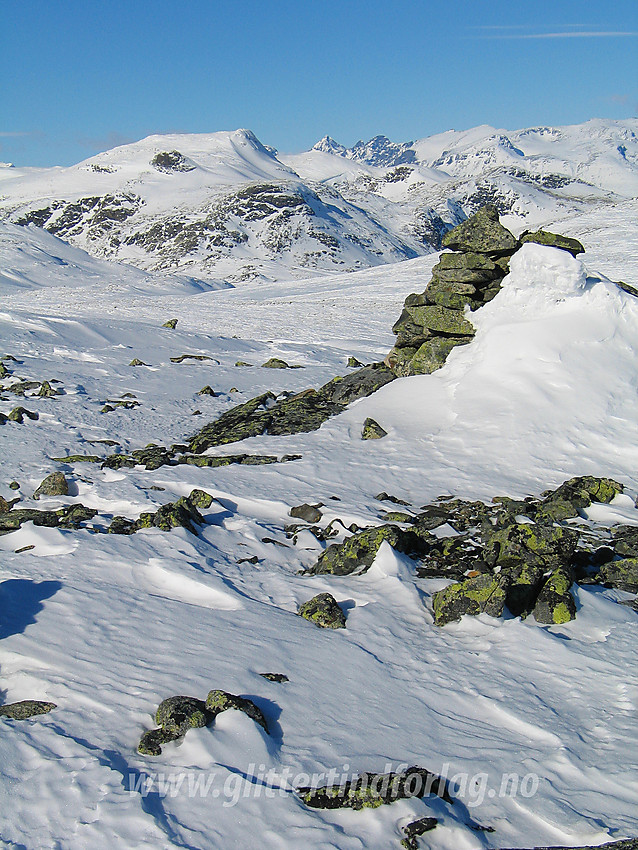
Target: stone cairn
<point>435,321</point>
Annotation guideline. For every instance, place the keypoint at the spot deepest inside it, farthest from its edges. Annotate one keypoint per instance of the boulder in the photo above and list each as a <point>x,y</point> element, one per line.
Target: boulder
<point>413,830</point>
<point>482,594</point>
<point>176,715</point>
<point>323,611</point>
<point>54,484</point>
<point>25,709</point>
<point>357,552</point>
<point>482,233</point>
<point>308,513</point>
<point>555,604</point>
<point>171,324</point>
<point>622,574</point>
<point>553,240</point>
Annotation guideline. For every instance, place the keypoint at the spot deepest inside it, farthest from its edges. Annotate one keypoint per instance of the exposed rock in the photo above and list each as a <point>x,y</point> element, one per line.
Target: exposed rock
<point>275,363</point>
<point>371,790</point>
<point>22,387</point>
<point>622,574</point>
<point>71,516</point>
<point>413,830</point>
<point>201,499</point>
<point>625,539</point>
<point>54,484</point>
<point>25,709</point>
<point>482,233</point>
<point>555,603</point>
<point>323,611</point>
<point>482,594</point>
<point>372,430</point>
<point>47,391</point>
<point>77,459</point>
<point>218,701</point>
<point>357,552</point>
<point>302,412</point>
<point>280,678</point>
<point>308,513</point>
<point>182,357</point>
<point>176,715</point>
<point>18,414</point>
<point>553,240</point>
<point>136,362</point>
<point>171,161</point>
<point>578,493</point>
<point>208,390</point>
<point>384,497</point>
<point>171,324</point>
<point>151,742</point>
<point>353,363</point>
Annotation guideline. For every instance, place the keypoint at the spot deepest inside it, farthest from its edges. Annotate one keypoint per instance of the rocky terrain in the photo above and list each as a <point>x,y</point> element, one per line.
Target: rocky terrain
<point>273,565</point>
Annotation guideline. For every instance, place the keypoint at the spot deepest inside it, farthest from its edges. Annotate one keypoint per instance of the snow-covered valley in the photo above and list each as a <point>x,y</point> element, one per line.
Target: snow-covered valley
<point>107,625</point>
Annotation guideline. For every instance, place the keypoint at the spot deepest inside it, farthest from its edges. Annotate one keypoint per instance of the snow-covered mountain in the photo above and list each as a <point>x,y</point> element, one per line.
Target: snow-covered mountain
<point>224,205</point>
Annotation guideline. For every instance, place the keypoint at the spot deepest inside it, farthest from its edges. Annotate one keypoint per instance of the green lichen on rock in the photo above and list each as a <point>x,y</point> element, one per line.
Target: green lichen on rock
<point>18,414</point>
<point>25,709</point>
<point>482,594</point>
<point>77,459</point>
<point>482,233</point>
<point>275,363</point>
<point>372,430</point>
<point>137,362</point>
<point>625,539</point>
<point>54,484</point>
<point>553,240</point>
<point>308,513</point>
<point>200,499</point>
<point>290,414</point>
<point>576,494</point>
<point>324,611</point>
<point>371,790</point>
<point>47,391</point>
<point>176,715</point>
<point>218,701</point>
<point>171,324</point>
<point>357,552</point>
<point>555,604</point>
<point>622,574</point>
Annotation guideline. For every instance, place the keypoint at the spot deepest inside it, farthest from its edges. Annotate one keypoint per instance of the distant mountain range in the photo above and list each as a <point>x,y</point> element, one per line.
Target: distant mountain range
<point>226,206</point>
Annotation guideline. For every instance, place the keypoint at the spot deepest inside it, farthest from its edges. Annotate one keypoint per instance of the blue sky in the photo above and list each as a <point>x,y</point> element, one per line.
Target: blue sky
<point>79,77</point>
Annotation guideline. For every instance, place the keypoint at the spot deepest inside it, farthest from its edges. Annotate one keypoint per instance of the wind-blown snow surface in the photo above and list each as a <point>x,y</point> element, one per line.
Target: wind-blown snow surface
<point>107,626</point>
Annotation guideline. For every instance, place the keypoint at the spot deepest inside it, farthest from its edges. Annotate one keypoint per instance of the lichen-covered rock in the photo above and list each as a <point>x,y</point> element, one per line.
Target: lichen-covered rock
<point>25,709</point>
<point>517,543</point>
<point>151,742</point>
<point>482,233</point>
<point>555,604</point>
<point>482,594</point>
<point>279,678</point>
<point>171,324</point>
<point>208,390</point>
<point>54,484</point>
<point>324,611</point>
<point>137,362</point>
<point>218,701</point>
<point>357,552</point>
<point>47,391</point>
<point>302,412</point>
<point>200,499</point>
<point>622,574</point>
<point>413,830</point>
<point>275,363</point>
<point>575,494</point>
<point>18,414</point>
<point>625,539</point>
<point>553,240</point>
<point>176,715</point>
<point>371,790</point>
<point>308,513</point>
<point>372,430</point>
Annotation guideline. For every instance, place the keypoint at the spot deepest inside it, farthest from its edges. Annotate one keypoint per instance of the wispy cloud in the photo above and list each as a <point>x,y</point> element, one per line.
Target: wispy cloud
<point>12,135</point>
<point>106,142</point>
<point>575,34</point>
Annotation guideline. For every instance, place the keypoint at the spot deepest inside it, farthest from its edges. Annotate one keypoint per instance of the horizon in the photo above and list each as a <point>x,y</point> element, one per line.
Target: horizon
<point>84,80</point>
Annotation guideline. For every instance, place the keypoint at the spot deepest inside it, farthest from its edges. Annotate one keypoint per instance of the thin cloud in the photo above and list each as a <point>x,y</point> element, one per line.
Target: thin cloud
<point>592,34</point>
<point>12,135</point>
<point>106,142</point>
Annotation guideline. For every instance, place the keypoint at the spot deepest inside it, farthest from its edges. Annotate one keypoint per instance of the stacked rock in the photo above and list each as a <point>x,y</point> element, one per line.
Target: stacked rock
<point>434,322</point>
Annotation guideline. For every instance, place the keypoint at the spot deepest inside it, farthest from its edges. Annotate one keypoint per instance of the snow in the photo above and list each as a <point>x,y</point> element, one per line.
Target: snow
<point>106,626</point>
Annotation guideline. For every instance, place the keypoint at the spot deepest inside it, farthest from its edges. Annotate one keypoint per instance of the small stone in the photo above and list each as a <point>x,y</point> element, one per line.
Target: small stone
<point>25,709</point>
<point>372,430</point>
<point>308,513</point>
<point>275,363</point>
<point>384,497</point>
<point>54,484</point>
<point>481,233</point>
<point>275,677</point>
<point>18,414</point>
<point>171,324</point>
<point>208,390</point>
<point>14,485</point>
<point>196,413</point>
<point>242,363</point>
<point>323,611</point>
<point>413,830</point>
<point>136,362</point>
<point>47,391</point>
<point>353,363</point>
